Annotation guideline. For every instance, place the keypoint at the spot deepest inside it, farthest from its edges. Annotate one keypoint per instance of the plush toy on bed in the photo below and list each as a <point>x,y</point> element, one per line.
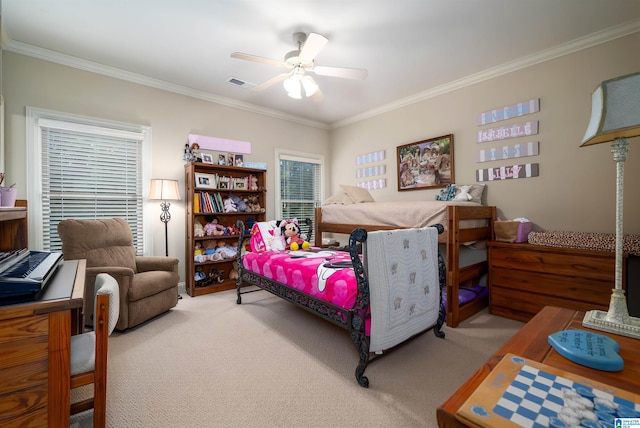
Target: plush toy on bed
<point>276,242</point>
<point>290,229</point>
<point>464,194</point>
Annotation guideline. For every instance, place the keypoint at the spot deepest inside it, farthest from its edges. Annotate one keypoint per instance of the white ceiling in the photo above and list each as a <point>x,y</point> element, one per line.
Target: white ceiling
<point>412,49</point>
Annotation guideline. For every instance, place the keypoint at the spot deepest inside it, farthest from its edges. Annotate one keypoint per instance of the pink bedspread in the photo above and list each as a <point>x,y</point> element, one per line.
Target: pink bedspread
<point>319,273</point>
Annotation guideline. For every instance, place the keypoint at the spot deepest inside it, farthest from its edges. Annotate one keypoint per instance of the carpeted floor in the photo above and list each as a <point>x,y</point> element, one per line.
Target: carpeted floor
<point>212,363</point>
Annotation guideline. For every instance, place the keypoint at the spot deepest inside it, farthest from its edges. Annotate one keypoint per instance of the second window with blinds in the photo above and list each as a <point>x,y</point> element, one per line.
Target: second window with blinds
<point>298,185</point>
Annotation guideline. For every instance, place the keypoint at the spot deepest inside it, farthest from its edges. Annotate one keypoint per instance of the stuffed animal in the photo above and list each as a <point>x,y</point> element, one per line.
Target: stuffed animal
<point>290,230</point>
<point>241,205</point>
<point>198,253</point>
<point>276,243</point>
<point>226,251</point>
<point>230,206</point>
<point>254,204</point>
<point>464,194</point>
<point>254,183</point>
<point>234,271</point>
<point>231,230</point>
<point>214,228</point>
<point>198,229</point>
<point>211,250</point>
<point>216,276</point>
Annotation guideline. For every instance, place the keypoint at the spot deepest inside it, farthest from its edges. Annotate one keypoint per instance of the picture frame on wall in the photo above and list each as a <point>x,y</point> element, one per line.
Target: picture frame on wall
<point>207,158</point>
<point>425,164</point>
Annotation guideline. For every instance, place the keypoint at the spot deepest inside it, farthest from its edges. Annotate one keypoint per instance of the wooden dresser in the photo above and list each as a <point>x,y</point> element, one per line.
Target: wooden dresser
<point>35,339</point>
<point>524,278</point>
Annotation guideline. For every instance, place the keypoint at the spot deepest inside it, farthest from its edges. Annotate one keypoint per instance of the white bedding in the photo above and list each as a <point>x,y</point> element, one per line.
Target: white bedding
<point>401,214</point>
<point>402,267</point>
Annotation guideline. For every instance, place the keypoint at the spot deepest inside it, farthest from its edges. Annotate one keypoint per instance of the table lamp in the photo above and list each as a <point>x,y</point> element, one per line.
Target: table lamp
<point>615,116</point>
<point>164,190</point>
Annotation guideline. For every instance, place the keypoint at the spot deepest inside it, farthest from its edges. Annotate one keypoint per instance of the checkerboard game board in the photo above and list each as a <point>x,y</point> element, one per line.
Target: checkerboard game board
<point>524,393</point>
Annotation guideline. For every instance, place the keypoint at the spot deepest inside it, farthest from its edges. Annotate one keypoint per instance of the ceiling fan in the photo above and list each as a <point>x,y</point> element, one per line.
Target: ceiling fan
<point>298,64</point>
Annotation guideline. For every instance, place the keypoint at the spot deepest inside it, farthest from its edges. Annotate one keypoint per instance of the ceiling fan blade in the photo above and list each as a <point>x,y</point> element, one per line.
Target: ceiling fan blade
<point>247,57</point>
<point>312,47</point>
<point>271,82</point>
<point>347,73</point>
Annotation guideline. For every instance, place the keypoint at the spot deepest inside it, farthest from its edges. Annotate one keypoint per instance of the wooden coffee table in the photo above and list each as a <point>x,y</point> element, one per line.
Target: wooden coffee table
<point>531,342</point>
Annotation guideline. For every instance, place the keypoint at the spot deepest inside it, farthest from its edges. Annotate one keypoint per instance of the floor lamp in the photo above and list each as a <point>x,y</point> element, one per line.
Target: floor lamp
<point>615,116</point>
<point>164,190</point>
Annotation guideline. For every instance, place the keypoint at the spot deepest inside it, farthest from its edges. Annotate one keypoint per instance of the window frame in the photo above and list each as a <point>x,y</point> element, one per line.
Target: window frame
<point>34,166</point>
<point>286,154</point>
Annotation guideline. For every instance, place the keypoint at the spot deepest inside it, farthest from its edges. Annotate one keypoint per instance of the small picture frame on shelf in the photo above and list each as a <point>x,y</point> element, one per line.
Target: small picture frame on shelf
<point>222,159</point>
<point>239,184</point>
<point>238,160</point>
<point>207,158</point>
<point>223,182</point>
<point>205,181</point>
<point>230,159</point>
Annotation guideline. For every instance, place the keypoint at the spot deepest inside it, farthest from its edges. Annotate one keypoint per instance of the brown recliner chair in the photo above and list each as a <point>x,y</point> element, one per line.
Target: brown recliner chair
<point>148,284</point>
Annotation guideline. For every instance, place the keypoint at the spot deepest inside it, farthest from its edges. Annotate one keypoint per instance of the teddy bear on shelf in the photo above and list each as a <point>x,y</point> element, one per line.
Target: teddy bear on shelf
<point>290,230</point>
<point>214,227</point>
<point>233,274</point>
<point>253,186</point>
<point>464,194</point>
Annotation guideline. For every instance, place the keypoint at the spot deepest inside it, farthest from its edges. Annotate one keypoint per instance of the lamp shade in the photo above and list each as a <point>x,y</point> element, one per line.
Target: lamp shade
<point>615,110</point>
<point>165,190</point>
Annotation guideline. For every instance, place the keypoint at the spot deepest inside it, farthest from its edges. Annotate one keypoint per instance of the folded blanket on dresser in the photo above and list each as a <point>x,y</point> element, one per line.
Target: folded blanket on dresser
<point>402,268</point>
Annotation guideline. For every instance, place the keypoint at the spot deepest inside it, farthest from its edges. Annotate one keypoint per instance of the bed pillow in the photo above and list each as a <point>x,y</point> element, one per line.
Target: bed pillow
<point>357,194</point>
<point>339,199</point>
<point>476,191</point>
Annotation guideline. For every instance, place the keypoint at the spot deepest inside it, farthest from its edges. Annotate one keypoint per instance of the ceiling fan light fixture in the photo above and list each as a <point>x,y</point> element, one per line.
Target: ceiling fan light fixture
<point>309,85</point>
<point>293,87</point>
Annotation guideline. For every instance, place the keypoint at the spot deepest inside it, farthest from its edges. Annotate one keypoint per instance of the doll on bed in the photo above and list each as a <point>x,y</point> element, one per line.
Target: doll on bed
<point>290,230</point>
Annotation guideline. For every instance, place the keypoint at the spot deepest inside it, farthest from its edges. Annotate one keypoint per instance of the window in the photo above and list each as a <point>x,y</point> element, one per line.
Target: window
<point>299,189</point>
<point>83,168</point>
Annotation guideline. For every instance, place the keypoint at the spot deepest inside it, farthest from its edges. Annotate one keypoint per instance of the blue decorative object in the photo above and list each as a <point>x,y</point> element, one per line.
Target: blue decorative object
<point>588,349</point>
<point>447,194</point>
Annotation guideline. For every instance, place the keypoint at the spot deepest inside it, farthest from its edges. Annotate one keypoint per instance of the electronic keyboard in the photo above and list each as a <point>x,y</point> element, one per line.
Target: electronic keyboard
<point>25,272</point>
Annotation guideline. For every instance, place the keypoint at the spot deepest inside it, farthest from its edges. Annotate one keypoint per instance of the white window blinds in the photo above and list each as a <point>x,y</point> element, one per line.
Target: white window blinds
<point>300,186</point>
<point>90,172</point>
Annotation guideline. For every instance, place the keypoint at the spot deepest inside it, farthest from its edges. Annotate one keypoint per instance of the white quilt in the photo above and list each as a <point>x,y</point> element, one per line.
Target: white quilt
<point>402,267</point>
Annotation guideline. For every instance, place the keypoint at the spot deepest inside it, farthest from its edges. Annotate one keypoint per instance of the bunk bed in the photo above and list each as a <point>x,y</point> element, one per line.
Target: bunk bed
<point>386,290</point>
<point>467,226</point>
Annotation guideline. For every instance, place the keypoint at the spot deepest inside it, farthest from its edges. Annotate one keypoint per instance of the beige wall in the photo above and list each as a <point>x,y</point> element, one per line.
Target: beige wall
<point>576,187</point>
<point>36,83</point>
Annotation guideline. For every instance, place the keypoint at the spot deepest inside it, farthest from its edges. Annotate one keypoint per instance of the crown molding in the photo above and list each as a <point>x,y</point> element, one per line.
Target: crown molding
<point>576,45</point>
<point>93,67</point>
<point>527,61</point>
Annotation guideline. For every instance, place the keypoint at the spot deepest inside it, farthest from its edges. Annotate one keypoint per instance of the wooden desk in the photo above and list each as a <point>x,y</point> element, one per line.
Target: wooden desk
<point>531,342</point>
<point>34,352</point>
